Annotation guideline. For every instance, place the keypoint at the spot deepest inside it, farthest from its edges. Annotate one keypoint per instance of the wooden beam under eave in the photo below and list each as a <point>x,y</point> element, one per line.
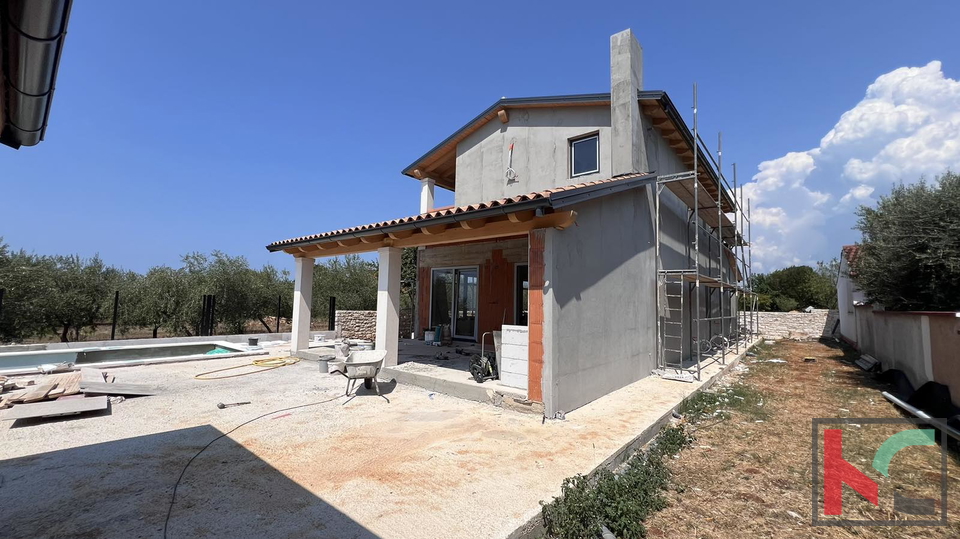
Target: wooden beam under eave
<point>349,242</point>
<point>473,224</point>
<point>502,228</point>
<point>433,230</point>
<point>660,122</point>
<point>565,219</point>
<point>401,234</point>
<point>502,114</point>
<point>521,216</point>
<point>328,246</point>
<point>373,238</point>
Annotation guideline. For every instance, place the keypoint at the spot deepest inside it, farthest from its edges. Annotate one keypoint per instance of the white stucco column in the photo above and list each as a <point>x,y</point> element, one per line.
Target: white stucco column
<point>302,304</point>
<point>426,194</point>
<point>388,303</point>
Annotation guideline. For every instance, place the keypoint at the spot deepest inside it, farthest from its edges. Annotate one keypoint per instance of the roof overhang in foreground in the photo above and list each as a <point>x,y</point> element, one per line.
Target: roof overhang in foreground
<point>32,33</point>
<point>507,217</point>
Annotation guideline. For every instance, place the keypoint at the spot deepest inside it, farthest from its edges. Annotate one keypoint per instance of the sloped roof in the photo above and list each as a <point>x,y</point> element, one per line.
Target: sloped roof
<point>554,198</point>
<point>850,252</point>
<point>654,103</point>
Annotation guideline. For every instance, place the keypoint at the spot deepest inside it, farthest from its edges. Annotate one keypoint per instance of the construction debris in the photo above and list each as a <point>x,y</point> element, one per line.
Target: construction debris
<point>680,376</point>
<point>58,407</point>
<point>867,363</point>
<point>104,388</point>
<point>62,394</point>
<point>221,405</point>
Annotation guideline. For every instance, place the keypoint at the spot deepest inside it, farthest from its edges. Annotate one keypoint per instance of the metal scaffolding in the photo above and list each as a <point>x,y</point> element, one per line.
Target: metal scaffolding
<point>704,308</point>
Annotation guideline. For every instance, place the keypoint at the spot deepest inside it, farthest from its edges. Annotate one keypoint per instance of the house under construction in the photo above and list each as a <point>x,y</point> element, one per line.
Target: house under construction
<point>596,228</point>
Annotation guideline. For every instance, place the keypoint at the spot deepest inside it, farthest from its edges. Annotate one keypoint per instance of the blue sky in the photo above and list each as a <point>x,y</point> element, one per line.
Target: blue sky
<point>196,126</point>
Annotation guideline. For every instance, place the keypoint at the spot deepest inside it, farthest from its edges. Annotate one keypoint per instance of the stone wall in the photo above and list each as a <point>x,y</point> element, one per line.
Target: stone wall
<point>357,324</point>
<point>797,325</point>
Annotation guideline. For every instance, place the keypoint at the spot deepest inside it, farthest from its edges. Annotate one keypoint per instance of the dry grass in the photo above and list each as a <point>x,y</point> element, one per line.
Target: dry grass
<point>749,477</point>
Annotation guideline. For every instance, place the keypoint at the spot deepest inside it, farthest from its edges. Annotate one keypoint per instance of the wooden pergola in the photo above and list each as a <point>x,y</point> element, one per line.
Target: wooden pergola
<point>503,219</point>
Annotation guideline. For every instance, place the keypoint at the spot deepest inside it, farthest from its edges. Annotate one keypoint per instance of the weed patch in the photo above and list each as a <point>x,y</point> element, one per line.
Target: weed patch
<point>719,404</point>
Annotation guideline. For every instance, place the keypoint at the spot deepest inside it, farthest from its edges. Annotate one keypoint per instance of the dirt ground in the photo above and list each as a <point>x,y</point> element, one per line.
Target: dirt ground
<point>422,465</point>
<point>750,475</point>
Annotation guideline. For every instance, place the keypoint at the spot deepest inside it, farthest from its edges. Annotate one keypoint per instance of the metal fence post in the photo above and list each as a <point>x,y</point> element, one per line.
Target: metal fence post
<point>332,314</point>
<point>279,307</point>
<point>116,305</point>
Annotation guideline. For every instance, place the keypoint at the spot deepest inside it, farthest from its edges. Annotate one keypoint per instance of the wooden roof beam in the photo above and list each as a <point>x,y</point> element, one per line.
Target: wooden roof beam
<point>474,224</point>
<point>373,238</point>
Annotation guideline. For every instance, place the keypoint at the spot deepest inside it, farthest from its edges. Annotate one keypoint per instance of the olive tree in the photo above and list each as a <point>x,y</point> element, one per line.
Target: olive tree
<point>909,256</point>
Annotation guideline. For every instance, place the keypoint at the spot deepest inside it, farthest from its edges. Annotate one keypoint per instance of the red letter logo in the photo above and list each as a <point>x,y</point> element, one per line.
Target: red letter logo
<point>837,471</point>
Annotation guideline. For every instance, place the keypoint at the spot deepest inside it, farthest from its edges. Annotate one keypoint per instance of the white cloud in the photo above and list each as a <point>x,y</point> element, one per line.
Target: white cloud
<point>907,126</point>
<point>860,194</point>
<point>769,217</point>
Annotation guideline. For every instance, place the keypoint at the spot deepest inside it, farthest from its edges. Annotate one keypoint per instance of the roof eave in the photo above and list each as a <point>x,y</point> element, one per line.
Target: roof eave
<point>506,103</point>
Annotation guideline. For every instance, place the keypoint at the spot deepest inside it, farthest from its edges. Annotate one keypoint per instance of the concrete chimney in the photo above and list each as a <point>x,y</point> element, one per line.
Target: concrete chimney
<point>626,79</point>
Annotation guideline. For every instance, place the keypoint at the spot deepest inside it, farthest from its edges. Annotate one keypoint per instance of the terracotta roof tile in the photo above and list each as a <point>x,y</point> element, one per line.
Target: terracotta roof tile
<point>850,252</point>
<point>453,210</point>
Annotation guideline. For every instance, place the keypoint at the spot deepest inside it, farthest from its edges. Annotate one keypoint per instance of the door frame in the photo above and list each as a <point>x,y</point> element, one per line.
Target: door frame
<point>456,297</point>
<point>517,287</point>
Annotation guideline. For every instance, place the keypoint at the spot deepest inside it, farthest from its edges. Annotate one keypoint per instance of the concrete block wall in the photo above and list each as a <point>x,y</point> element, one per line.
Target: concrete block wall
<point>797,325</point>
<point>356,324</point>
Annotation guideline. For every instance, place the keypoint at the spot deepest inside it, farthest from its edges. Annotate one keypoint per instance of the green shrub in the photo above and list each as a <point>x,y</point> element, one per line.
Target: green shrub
<point>620,501</point>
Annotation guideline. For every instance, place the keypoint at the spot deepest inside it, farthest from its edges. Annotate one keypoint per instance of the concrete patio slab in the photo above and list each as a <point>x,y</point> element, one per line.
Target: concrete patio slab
<point>422,465</point>
<point>419,366</point>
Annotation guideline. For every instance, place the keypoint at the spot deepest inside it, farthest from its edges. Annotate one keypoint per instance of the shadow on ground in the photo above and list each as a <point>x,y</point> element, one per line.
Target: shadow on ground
<point>123,489</point>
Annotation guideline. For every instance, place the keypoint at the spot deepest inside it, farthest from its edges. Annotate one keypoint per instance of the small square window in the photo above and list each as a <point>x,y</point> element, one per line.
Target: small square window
<point>585,155</point>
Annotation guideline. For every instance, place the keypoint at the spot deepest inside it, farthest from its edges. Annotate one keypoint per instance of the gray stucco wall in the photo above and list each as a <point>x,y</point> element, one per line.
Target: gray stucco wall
<point>540,156</point>
<point>600,301</point>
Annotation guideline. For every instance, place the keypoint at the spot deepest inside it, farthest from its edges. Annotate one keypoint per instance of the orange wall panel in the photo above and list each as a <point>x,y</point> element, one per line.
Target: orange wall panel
<point>535,350</point>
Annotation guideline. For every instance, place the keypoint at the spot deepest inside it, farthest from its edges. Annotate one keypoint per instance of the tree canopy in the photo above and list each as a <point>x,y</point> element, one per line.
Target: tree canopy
<point>69,296</point>
<point>797,287</point>
<point>909,256</point>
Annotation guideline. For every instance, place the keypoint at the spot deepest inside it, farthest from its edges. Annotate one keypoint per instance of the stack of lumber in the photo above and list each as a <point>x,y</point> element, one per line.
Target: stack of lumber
<point>63,394</point>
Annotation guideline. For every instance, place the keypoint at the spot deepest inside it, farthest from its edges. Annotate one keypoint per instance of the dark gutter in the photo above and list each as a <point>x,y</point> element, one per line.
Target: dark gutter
<point>32,33</point>
<point>576,196</point>
<point>505,103</point>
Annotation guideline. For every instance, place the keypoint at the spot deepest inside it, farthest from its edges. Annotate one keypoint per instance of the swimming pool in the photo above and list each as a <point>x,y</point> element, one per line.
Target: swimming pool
<point>112,356</point>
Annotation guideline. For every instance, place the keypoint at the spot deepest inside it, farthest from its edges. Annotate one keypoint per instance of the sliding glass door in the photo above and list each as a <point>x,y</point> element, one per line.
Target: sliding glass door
<point>454,300</point>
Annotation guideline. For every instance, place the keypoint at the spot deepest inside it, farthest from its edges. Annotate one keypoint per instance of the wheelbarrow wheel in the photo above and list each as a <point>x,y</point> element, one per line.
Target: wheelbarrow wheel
<point>368,383</point>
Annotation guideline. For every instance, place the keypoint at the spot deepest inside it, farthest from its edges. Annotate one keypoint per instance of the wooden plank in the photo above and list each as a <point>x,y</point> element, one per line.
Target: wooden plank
<point>71,384</point>
<point>39,393</point>
<point>104,388</point>
<point>55,408</point>
<point>9,399</point>
<point>88,374</point>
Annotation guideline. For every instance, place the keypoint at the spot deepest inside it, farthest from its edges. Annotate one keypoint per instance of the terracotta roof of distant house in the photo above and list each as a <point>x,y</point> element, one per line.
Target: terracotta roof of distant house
<point>548,197</point>
<point>850,253</point>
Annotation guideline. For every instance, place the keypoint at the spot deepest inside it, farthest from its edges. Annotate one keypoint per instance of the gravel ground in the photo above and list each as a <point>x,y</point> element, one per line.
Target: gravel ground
<point>424,465</point>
